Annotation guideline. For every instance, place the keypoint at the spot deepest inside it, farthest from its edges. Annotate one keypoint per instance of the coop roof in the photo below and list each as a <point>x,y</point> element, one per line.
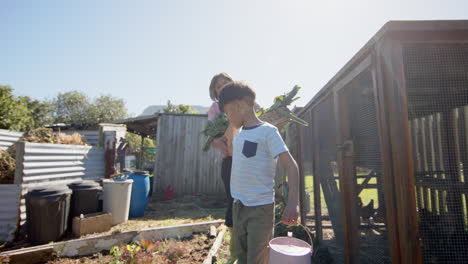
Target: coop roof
<point>142,125</point>
<point>429,26</point>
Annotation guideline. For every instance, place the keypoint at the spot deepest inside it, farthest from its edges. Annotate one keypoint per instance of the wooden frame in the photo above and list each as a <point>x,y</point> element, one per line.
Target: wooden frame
<point>383,56</point>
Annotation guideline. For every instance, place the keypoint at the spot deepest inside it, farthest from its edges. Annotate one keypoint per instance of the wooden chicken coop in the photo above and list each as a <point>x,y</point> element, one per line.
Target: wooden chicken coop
<point>383,160</point>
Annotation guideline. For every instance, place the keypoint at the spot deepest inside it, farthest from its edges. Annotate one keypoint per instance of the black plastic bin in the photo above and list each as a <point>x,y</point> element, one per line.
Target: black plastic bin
<point>47,212</point>
<point>85,198</point>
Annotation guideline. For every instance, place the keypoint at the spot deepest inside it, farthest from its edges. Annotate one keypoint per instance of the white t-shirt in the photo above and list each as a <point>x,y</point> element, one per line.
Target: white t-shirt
<point>254,164</point>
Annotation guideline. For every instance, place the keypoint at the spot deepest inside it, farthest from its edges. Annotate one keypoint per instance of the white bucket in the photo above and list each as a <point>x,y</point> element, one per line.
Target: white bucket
<point>117,199</point>
<point>290,250</point>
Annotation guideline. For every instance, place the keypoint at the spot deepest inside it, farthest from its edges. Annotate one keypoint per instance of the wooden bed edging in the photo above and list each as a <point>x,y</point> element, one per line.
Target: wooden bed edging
<point>211,258</point>
<point>89,246</point>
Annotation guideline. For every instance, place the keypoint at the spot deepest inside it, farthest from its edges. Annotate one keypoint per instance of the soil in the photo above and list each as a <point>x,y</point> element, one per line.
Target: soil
<point>189,251</point>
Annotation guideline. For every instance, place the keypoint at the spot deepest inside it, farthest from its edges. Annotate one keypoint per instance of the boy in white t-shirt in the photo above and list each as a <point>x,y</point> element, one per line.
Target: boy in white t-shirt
<point>255,151</point>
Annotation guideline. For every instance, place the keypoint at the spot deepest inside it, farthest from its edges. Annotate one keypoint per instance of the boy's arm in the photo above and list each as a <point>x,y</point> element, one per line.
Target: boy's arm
<point>291,212</point>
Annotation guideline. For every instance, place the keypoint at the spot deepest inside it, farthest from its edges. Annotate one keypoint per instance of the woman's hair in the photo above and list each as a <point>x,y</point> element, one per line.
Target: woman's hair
<point>234,91</point>
<point>217,77</point>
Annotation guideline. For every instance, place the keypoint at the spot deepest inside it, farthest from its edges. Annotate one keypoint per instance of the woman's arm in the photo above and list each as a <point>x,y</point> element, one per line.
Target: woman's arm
<point>221,144</point>
<point>229,136</point>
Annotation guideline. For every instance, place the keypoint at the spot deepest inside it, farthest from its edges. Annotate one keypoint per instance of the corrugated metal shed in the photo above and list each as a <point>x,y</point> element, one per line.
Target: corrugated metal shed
<point>40,164</point>
<point>9,210</point>
<point>180,160</point>
<point>8,138</point>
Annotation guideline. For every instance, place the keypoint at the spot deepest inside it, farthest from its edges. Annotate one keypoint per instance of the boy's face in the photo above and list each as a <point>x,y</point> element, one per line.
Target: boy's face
<point>234,113</point>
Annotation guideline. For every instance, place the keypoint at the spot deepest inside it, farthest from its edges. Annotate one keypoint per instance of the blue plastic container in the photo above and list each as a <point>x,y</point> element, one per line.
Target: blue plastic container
<point>140,193</point>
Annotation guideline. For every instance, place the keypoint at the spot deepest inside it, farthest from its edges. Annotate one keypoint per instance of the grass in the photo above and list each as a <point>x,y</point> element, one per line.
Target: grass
<point>223,252</point>
<point>366,194</point>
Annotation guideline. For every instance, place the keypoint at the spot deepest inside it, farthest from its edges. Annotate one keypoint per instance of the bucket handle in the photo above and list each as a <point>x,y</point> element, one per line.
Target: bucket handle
<point>306,230</point>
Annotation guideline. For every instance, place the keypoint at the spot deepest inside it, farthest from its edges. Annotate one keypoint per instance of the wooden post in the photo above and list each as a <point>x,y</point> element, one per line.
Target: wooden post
<point>211,258</point>
<point>454,201</point>
<point>318,208</point>
<point>422,158</point>
<point>413,126</point>
<point>347,172</point>
<point>20,150</point>
<point>398,168</point>
<point>142,150</point>
<point>316,177</point>
<point>212,231</point>
<point>463,144</point>
<point>440,160</point>
<point>301,177</point>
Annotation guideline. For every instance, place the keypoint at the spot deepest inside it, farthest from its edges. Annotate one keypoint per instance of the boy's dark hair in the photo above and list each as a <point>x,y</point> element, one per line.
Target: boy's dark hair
<point>234,91</point>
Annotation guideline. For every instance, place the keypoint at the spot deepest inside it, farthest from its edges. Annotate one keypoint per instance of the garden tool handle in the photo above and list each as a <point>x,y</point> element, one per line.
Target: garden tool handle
<point>306,230</point>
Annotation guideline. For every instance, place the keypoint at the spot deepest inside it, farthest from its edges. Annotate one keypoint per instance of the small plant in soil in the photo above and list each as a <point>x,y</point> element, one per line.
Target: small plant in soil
<point>166,252</point>
<point>4,259</point>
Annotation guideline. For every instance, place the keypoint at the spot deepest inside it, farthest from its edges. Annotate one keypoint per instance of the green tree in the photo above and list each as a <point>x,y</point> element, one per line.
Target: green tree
<point>134,146</point>
<point>14,114</point>
<point>170,108</point>
<point>76,108</point>
<point>180,109</point>
<point>41,112</point>
<point>184,109</point>
<point>107,108</point>
<point>71,108</point>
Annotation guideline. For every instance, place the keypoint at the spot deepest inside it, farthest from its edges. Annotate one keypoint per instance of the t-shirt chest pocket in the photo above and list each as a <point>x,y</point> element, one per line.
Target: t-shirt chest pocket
<point>249,149</point>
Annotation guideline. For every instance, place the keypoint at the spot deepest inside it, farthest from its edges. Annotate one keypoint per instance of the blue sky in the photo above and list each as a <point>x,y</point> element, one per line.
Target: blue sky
<point>150,51</point>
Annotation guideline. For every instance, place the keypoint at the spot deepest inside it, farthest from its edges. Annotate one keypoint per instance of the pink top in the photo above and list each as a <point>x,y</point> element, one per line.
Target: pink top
<point>214,111</point>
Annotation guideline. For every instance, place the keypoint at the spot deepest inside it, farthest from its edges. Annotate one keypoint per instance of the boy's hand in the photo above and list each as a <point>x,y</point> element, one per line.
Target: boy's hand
<point>290,214</point>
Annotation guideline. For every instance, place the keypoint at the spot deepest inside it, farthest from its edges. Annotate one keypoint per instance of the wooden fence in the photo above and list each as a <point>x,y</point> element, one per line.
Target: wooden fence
<point>180,161</point>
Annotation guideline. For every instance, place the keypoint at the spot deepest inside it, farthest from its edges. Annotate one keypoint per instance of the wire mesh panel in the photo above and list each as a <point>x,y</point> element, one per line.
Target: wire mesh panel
<point>305,141</point>
<point>367,169</point>
<point>437,90</point>
<point>325,169</point>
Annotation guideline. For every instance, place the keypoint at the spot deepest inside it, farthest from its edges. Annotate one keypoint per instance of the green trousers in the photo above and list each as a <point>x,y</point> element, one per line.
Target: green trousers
<point>253,230</point>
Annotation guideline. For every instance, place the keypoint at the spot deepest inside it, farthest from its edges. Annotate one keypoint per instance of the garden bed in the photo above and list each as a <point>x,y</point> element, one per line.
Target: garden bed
<point>89,246</point>
<point>185,251</point>
<point>158,214</point>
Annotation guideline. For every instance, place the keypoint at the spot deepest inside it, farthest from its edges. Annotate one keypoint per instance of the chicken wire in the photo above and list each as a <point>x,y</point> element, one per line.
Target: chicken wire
<point>306,145</point>
<point>323,135</point>
<point>437,90</point>
<point>373,236</point>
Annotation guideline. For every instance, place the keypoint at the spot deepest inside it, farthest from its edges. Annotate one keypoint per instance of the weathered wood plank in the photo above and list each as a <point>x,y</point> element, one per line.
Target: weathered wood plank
<point>216,245</point>
<point>88,246</point>
<point>180,160</point>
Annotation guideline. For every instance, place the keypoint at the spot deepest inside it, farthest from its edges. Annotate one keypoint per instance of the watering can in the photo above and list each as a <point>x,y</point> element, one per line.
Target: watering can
<point>290,250</point>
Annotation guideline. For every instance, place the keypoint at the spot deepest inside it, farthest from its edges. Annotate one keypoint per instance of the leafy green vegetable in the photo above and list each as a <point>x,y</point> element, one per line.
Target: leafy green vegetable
<point>218,126</point>
<point>215,129</point>
<point>284,101</point>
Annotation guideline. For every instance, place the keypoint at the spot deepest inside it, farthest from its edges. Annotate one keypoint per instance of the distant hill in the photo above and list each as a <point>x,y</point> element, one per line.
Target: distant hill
<point>154,108</point>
